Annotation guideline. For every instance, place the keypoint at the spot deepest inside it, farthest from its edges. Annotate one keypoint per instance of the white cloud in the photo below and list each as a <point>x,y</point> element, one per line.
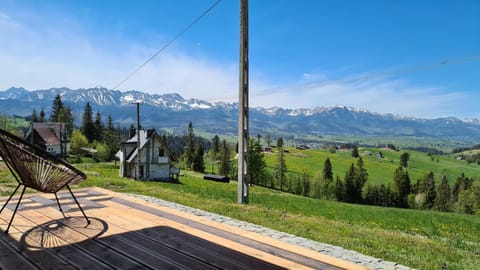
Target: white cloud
<point>382,95</point>
<point>55,55</point>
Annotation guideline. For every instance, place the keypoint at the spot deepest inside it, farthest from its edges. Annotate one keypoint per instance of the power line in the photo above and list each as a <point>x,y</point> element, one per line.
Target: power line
<point>362,78</point>
<point>168,44</point>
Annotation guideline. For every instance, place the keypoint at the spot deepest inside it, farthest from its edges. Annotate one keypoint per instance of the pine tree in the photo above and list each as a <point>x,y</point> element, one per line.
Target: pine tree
<point>281,166</point>
<point>430,191</point>
<point>268,138</point>
<point>224,159</point>
<point>339,190</point>
<point>56,108</point>
<point>65,116</point>
<point>280,143</point>
<point>99,127</point>
<point>41,117</point>
<point>305,183</point>
<point>355,153</point>
<point>327,171</point>
<point>404,159</point>
<point>215,147</point>
<point>256,163</point>
<point>462,183</point>
<point>110,126</point>
<point>189,150</point>
<point>198,163</point>
<point>111,137</point>
<point>88,127</point>
<point>443,198</point>
<point>34,116</point>
<point>401,187</point>
<point>361,177</point>
<point>350,189</point>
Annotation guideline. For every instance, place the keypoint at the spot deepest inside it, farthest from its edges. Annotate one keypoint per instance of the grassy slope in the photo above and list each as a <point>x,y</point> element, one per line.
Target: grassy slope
<point>420,239</point>
<point>379,170</point>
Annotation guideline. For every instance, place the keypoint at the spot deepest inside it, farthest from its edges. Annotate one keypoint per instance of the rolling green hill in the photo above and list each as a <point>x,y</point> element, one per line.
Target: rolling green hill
<point>380,170</point>
<point>419,239</point>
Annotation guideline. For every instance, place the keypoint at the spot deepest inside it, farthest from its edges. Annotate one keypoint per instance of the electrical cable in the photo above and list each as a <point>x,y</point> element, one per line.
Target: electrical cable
<point>168,44</point>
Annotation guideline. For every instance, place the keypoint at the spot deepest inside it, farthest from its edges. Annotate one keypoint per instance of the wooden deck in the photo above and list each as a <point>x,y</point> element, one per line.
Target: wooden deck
<point>130,233</point>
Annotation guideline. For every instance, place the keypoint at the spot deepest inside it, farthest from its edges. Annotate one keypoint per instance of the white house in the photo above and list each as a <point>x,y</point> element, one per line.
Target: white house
<point>155,158</point>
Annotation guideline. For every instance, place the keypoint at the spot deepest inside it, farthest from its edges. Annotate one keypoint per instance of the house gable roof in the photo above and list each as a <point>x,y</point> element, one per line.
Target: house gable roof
<point>145,137</point>
<point>48,132</point>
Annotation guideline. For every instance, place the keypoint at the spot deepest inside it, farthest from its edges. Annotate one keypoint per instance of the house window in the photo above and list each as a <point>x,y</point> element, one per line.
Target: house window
<point>161,152</point>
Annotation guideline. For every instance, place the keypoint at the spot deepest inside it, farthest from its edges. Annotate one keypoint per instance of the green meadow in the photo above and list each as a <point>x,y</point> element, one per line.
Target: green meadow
<point>380,170</point>
<point>419,239</point>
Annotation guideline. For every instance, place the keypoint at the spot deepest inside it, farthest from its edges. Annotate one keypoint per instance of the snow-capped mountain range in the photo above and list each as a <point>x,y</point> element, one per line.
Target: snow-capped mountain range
<point>172,111</point>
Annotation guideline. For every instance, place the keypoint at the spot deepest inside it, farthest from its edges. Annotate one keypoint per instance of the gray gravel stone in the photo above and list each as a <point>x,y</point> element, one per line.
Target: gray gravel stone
<point>334,251</point>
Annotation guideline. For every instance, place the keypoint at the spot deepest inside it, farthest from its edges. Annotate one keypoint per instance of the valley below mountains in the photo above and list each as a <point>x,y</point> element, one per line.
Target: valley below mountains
<point>173,112</point>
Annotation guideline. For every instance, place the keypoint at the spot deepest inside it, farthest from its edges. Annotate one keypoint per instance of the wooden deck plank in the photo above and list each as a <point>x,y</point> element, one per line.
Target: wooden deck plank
<point>122,224</point>
<point>46,259</point>
<point>9,257</point>
<point>83,236</point>
<point>69,253</point>
<point>152,220</point>
<point>130,233</point>
<point>273,243</point>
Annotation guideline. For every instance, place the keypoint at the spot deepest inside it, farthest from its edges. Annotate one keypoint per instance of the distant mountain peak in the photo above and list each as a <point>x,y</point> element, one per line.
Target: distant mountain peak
<point>171,110</point>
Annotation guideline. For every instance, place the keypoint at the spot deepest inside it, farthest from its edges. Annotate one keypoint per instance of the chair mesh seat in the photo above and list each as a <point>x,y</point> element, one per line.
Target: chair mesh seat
<point>34,168</point>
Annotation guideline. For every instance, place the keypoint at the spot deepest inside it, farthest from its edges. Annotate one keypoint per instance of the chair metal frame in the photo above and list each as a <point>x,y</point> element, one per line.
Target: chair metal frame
<point>35,168</point>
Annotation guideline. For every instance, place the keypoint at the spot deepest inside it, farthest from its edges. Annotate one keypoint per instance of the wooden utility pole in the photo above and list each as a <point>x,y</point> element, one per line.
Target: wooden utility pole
<point>243,107</point>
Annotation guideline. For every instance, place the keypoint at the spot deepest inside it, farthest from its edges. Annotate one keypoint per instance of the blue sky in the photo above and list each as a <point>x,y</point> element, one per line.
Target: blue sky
<point>412,58</point>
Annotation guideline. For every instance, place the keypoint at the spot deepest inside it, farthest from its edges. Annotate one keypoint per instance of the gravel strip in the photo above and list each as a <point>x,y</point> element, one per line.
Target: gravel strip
<point>334,251</point>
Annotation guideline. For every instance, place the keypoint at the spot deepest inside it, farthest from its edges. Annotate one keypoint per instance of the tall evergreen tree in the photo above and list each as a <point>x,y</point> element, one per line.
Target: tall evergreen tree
<point>99,126</point>
<point>56,107</point>
<point>34,116</point>
<point>256,163</point>
<point>280,143</point>
<point>462,183</point>
<point>404,157</point>
<point>111,136</point>
<point>65,116</point>
<point>327,172</point>
<point>88,127</point>
<point>430,190</point>
<point>401,187</point>
<point>41,117</point>
<point>305,183</point>
<point>281,166</point>
<point>355,153</point>
<point>443,199</point>
<point>339,190</point>
<point>225,159</point>
<point>350,189</point>
<point>268,138</point>
<point>198,163</point>
<point>325,181</point>
<point>189,150</point>
<point>110,125</point>
<point>361,177</point>
<point>215,147</point>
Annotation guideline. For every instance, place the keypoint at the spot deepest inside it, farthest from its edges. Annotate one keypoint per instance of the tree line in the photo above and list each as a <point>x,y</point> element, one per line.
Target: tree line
<point>92,133</point>
<point>426,193</point>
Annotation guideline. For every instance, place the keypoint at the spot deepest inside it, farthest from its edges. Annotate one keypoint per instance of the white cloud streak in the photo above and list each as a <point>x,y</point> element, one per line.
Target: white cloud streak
<point>63,55</point>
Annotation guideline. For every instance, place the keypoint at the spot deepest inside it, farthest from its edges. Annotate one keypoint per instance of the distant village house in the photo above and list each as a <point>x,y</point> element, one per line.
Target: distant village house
<point>50,136</point>
<point>156,160</point>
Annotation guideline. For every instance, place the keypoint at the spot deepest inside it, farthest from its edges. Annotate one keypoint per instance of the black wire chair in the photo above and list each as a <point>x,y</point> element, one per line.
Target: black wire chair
<point>34,168</point>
